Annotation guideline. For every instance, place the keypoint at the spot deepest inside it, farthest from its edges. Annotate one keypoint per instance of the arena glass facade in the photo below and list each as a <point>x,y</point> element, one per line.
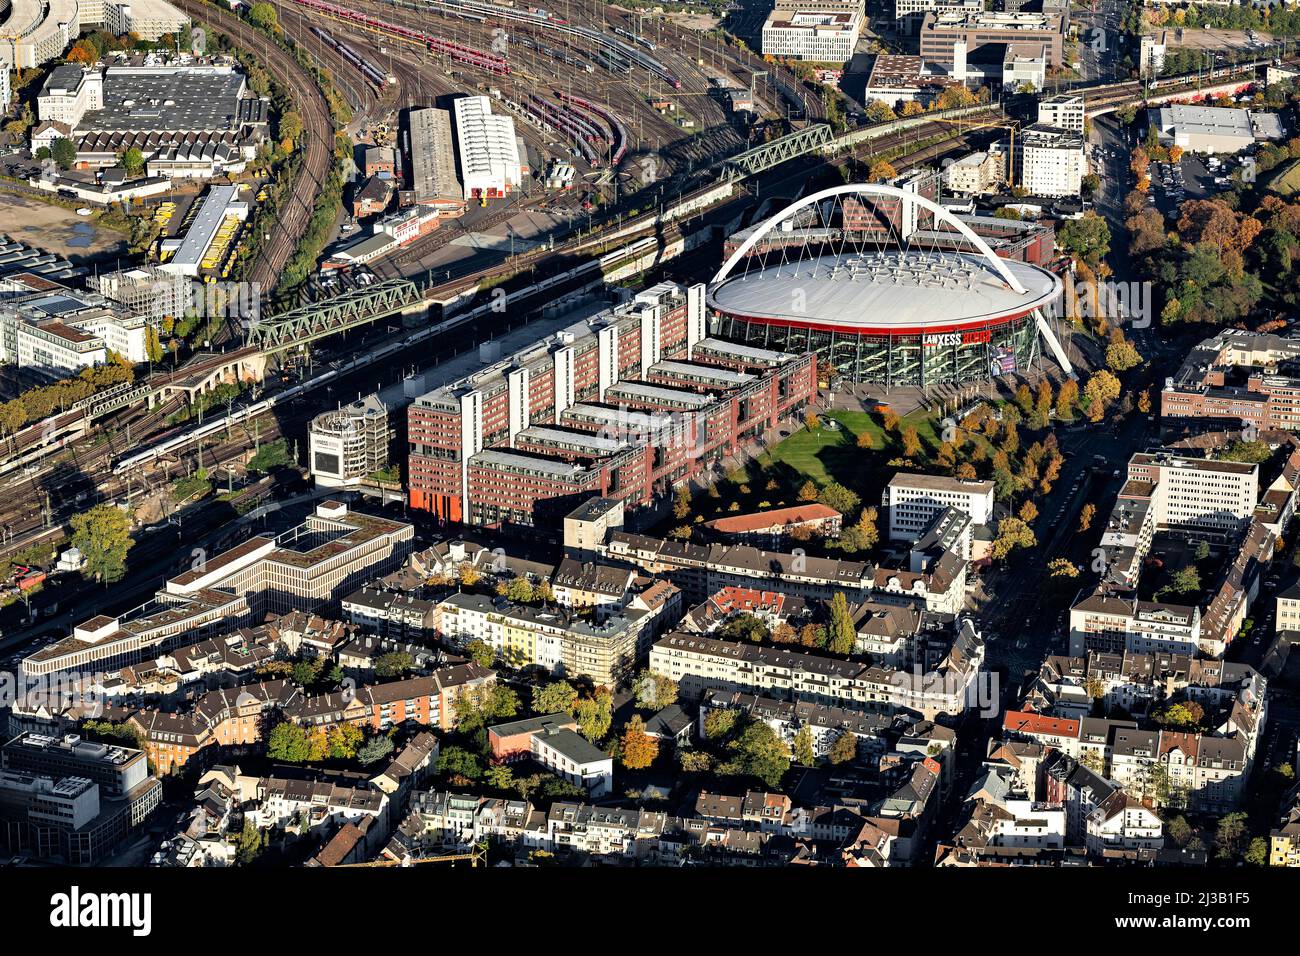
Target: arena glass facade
<point>897,357</point>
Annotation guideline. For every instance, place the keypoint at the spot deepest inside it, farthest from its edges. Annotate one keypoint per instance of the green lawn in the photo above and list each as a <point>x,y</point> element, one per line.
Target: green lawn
<point>1286,182</point>
<point>825,455</point>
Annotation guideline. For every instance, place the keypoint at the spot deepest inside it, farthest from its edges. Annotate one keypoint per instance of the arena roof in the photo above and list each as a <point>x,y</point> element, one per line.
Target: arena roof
<point>884,291</point>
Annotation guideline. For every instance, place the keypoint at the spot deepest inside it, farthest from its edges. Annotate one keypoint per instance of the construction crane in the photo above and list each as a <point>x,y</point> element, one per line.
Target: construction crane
<point>477,856</point>
<point>967,124</point>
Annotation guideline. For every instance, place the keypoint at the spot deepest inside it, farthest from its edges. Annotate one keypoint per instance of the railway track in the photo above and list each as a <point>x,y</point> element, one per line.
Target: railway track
<point>318,137</point>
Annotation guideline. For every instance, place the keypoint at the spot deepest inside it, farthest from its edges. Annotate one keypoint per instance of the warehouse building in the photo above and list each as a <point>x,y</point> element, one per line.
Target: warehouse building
<point>217,218</point>
<point>433,165</point>
<point>489,152</point>
<point>187,121</point>
<point>1203,129</point>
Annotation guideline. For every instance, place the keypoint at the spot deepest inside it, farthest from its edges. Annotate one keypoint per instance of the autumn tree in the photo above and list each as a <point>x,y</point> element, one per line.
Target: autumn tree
<point>844,748</point>
<point>1086,514</point>
<point>638,748</point>
<point>911,442</point>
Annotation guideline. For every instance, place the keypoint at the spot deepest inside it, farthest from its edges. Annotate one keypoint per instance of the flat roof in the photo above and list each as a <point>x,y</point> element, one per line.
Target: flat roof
<point>885,291</point>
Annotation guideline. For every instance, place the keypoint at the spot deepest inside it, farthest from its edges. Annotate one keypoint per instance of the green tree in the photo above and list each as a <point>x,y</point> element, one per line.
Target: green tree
<point>720,723</point>
<point>103,535</point>
<point>481,652</point>
<point>594,715</point>
<point>1086,239</point>
<point>1229,836</point>
<point>290,125</point>
<point>133,161</point>
<point>520,590</point>
<point>654,691</point>
<point>1179,830</point>
<point>804,755</point>
<point>263,16</point>
<point>393,664</point>
<point>458,762</point>
<point>269,457</point>
<point>758,752</point>
<point>1257,852</point>
<point>288,742</point>
<point>557,697</point>
<point>252,842</point>
<point>479,706</point>
<point>842,634</point>
<point>838,497</point>
<point>64,152</point>
<point>375,749</point>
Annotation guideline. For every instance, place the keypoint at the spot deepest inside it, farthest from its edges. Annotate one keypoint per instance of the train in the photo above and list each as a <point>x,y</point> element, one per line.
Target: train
<point>455,51</point>
<point>635,52</point>
<point>635,39</point>
<point>377,77</point>
<point>619,146</point>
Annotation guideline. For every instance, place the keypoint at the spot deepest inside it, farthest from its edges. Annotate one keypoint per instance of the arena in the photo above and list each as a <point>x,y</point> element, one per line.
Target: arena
<point>906,295</point>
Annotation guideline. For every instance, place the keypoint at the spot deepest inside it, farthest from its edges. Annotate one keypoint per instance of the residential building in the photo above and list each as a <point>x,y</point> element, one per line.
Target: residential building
<point>1052,161</point>
<point>977,174</point>
<point>1062,111</point>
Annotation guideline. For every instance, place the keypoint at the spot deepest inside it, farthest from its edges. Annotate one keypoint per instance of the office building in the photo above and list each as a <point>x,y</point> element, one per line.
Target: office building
<point>914,501</point>
<point>350,443</point>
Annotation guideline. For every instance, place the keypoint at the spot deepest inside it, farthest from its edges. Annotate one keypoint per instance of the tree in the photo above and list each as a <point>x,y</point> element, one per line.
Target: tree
<point>103,535</point>
<point>844,749</point>
<point>1184,714</point>
<point>758,752</point>
<point>804,755</point>
<point>682,505</point>
<point>1086,514</point>
<point>868,530</point>
<point>375,749</point>
<point>842,634</point>
<point>1144,401</point>
<point>811,421</point>
<point>808,492</point>
<point>64,152</point>
<point>889,420</point>
<point>1028,512</point>
<point>881,171</point>
<point>344,741</point>
<point>252,842</point>
<point>263,16</point>
<point>288,742</point>
<point>457,762</point>
<point>1086,239</point>
<point>305,673</point>
<point>500,777</point>
<point>556,697</point>
<point>520,590</point>
<point>1257,852</point>
<point>838,497</point>
<point>639,748</point>
<point>83,51</point>
<point>719,723</point>
<point>911,442</point>
<point>1122,356</point>
<point>133,161</point>
<point>1229,835</point>
<point>393,664</point>
<point>481,652</point>
<point>654,691</point>
<point>1012,533</point>
<point>468,575</point>
<point>1179,830</point>
<point>291,125</point>
<point>479,706</point>
<point>594,715</point>
<point>694,761</point>
<point>1062,568</point>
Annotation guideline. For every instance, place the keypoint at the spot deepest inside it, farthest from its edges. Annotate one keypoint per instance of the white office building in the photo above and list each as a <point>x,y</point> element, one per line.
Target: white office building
<point>914,501</point>
<point>148,19</point>
<point>820,36</point>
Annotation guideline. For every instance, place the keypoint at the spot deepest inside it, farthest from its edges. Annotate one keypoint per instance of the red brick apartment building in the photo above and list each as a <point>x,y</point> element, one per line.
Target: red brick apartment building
<point>1247,377</point>
<point>623,405</point>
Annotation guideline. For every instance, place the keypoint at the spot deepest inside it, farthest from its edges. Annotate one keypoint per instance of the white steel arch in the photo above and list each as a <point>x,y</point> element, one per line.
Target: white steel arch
<point>872,189</point>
